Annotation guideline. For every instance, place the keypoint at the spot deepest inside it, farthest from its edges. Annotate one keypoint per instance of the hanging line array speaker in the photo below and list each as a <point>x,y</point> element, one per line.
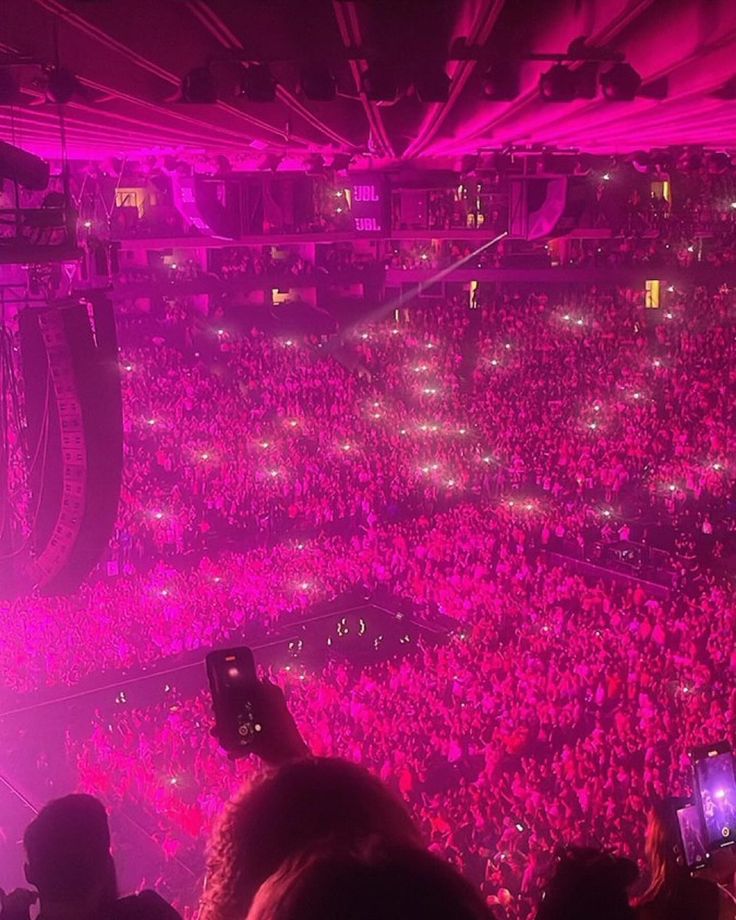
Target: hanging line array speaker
<point>73,402</point>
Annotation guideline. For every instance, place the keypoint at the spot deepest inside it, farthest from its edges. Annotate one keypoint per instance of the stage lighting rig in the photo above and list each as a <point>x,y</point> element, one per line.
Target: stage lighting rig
<point>563,84</point>
<point>61,85</point>
<point>574,74</point>
<point>500,82</point>
<point>198,87</point>
<point>726,92</point>
<point>690,159</point>
<point>620,83</point>
<point>557,84</point>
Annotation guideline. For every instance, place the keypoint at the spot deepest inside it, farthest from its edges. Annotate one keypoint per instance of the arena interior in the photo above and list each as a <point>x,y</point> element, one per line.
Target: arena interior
<point>395,341</point>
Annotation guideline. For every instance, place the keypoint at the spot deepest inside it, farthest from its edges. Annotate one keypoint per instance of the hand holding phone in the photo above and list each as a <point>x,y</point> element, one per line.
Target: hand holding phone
<point>251,716</point>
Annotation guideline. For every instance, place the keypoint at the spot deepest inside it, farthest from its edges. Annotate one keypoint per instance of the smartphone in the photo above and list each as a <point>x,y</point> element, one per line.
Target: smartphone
<point>233,685</point>
<point>690,848</point>
<point>715,793</point>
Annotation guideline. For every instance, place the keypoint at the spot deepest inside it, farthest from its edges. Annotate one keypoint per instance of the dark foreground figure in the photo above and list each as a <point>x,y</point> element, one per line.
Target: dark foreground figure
<point>70,864</point>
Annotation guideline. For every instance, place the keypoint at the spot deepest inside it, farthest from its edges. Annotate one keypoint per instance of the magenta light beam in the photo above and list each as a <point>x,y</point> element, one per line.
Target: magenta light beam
<point>397,302</point>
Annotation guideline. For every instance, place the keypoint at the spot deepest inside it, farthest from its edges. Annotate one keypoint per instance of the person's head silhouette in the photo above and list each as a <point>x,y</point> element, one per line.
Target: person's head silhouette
<point>68,856</point>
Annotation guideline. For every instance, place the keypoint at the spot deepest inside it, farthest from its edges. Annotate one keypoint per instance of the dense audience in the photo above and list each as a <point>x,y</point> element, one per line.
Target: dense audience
<point>439,406</point>
<point>565,404</point>
<point>251,261</point>
<point>443,455</point>
<point>570,704</point>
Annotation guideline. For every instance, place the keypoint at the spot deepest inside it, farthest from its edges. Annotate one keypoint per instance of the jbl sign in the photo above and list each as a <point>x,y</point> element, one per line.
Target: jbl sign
<point>365,193</point>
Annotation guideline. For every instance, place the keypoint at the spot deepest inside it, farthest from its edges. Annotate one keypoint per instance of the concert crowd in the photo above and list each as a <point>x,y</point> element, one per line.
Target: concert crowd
<point>462,457</point>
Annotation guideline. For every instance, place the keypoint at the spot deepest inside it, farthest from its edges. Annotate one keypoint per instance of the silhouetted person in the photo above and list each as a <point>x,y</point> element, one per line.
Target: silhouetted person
<point>70,864</point>
<point>291,813</point>
<point>371,882</point>
<point>588,885</point>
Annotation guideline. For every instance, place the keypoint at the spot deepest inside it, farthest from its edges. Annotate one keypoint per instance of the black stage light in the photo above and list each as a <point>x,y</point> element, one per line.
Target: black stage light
<point>727,91</point>
<point>432,85</point>
<point>557,84</point>
<point>198,86</point>
<point>620,83</point>
<point>563,84</point>
<point>257,84</point>
<point>501,81</point>
<point>317,83</point>
<point>61,85</point>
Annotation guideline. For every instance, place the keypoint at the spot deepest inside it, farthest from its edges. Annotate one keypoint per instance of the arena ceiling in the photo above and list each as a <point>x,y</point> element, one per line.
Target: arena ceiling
<point>129,57</point>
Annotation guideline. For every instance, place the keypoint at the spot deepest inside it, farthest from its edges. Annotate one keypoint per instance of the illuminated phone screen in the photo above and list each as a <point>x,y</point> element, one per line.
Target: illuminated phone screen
<point>716,788</point>
<point>691,836</point>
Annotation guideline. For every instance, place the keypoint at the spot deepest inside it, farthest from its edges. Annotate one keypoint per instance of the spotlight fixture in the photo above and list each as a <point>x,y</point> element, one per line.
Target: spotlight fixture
<point>317,83</point>
<point>500,83</point>
<point>727,91</point>
<point>563,84</point>
<point>198,86</point>
<point>557,84</point>
<point>620,83</point>
<point>432,85</point>
<point>61,85</point>
<point>380,83</point>
<point>257,84</point>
